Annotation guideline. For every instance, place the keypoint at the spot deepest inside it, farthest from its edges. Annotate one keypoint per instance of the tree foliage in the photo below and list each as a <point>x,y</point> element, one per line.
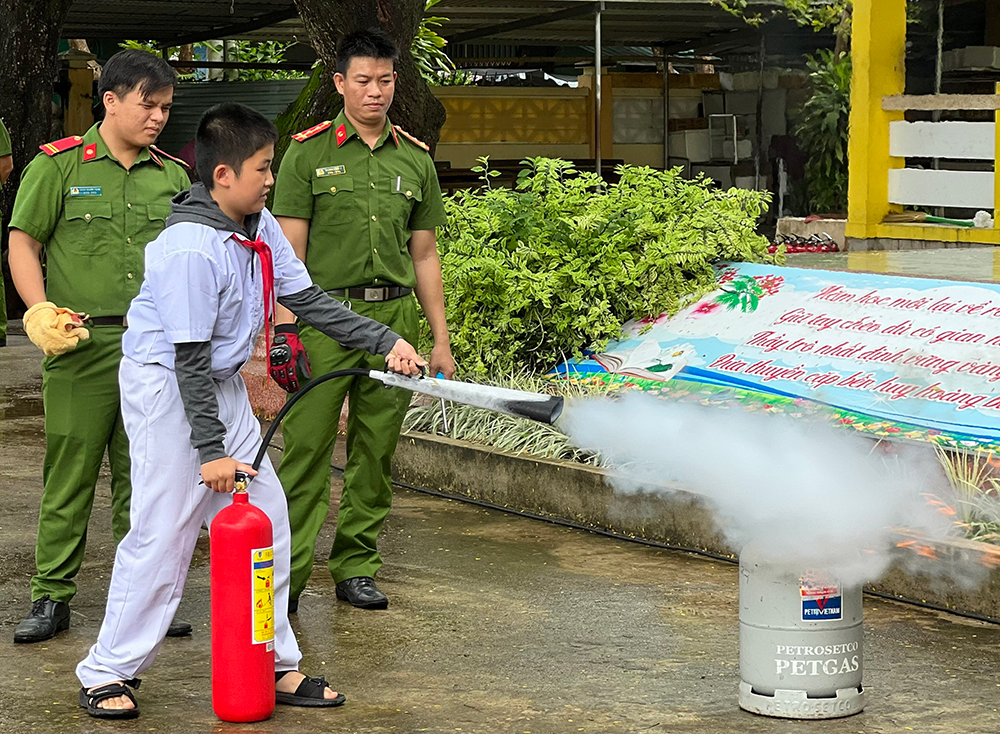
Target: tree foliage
<point>241,51</point>
<point>559,263</point>
<point>817,14</point>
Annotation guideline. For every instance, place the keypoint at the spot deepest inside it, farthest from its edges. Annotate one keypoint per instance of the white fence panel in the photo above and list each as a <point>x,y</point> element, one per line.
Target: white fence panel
<point>916,187</point>
<point>965,140</point>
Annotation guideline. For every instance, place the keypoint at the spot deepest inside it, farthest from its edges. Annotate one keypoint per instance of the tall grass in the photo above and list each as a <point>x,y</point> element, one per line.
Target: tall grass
<point>504,432</point>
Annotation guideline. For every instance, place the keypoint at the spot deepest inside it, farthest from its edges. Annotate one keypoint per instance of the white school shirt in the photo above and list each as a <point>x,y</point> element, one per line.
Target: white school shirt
<point>202,285</point>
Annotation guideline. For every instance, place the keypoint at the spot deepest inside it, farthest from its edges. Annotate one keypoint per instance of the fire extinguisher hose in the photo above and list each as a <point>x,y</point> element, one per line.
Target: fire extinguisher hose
<point>315,382</point>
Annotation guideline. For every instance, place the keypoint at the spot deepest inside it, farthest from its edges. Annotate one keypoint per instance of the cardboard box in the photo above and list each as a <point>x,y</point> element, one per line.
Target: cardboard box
<point>692,145</point>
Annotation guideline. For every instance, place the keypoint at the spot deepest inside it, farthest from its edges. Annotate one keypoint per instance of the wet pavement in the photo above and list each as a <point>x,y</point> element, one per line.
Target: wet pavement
<point>496,624</point>
<point>946,263</point>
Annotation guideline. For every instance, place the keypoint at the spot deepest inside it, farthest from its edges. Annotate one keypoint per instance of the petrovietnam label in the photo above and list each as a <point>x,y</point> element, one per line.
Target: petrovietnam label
<point>263,596</point>
<point>821,601</point>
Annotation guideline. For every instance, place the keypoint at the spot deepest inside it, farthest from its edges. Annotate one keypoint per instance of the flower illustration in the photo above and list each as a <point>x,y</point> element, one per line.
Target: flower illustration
<point>770,284</point>
<point>705,308</point>
<point>727,275</point>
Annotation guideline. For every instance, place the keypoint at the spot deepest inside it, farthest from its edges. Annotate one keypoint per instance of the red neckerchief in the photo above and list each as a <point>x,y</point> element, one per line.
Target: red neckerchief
<point>267,276</point>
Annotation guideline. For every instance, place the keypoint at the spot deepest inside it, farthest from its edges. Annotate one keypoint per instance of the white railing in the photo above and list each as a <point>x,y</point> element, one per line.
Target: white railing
<point>957,141</point>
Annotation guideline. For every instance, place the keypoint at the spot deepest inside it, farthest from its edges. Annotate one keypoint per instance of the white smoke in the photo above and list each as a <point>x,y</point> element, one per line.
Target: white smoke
<point>800,490</point>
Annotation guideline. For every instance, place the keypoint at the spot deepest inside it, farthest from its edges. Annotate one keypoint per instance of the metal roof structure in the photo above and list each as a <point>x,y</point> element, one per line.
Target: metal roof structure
<point>674,25</point>
<point>174,21</point>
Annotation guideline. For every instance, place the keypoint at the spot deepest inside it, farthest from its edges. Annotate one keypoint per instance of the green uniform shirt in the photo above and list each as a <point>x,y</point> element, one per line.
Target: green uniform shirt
<point>362,203</point>
<point>4,142</point>
<point>94,218</point>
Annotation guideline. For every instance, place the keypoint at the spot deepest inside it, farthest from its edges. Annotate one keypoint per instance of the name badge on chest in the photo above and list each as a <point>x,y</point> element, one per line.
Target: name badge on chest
<point>330,171</point>
<point>85,191</point>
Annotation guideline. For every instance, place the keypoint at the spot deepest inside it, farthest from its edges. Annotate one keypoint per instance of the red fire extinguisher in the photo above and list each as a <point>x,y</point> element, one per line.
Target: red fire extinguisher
<point>242,550</point>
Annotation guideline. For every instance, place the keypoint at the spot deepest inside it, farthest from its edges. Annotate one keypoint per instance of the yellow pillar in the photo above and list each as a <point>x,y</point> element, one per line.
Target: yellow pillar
<point>878,52</point>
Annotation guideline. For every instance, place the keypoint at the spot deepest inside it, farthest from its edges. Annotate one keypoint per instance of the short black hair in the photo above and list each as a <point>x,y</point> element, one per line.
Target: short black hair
<point>371,44</point>
<point>229,134</point>
<point>135,69</point>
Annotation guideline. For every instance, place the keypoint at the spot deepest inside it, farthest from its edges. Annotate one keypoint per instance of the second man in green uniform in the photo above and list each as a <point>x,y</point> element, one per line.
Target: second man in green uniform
<point>359,200</point>
<point>92,202</point>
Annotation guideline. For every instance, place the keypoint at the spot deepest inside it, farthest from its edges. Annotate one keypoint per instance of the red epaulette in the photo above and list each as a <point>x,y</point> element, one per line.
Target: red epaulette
<point>416,141</point>
<point>153,151</point>
<point>58,146</point>
<point>314,130</point>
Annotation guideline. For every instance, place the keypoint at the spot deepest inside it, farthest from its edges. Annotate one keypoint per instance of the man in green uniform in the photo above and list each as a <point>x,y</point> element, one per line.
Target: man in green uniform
<point>6,166</point>
<point>92,202</point>
<point>359,200</point>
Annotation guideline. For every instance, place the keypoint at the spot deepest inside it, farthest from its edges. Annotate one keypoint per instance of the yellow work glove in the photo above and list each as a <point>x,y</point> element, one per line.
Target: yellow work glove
<point>54,330</point>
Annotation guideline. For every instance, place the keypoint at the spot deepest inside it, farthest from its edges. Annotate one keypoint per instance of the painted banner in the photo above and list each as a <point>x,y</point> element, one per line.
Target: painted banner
<point>885,354</point>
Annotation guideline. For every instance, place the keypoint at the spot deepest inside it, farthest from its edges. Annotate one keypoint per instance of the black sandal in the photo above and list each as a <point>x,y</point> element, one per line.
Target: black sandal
<point>89,700</point>
<point>309,693</point>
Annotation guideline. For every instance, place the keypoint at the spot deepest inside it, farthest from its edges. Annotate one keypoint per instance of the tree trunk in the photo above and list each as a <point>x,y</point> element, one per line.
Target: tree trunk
<point>414,107</point>
<point>29,40</point>
<point>186,53</point>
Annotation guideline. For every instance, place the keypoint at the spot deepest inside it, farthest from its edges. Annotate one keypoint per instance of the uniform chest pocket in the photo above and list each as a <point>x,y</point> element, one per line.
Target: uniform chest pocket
<point>91,230</point>
<point>403,196</point>
<point>335,200</point>
<point>158,213</point>
<point>88,211</point>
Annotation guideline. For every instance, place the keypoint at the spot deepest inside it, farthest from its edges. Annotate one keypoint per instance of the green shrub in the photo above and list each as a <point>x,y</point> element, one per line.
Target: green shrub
<point>823,132</point>
<point>535,274</point>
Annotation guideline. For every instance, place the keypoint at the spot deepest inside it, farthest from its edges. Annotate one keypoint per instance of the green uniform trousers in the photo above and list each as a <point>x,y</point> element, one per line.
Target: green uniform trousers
<point>373,425</point>
<point>82,421</point>
<point>3,310</point>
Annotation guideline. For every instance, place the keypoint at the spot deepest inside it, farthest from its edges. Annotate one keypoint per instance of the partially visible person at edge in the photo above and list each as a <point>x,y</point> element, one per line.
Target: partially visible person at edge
<point>6,166</point>
<point>92,202</point>
<point>359,200</point>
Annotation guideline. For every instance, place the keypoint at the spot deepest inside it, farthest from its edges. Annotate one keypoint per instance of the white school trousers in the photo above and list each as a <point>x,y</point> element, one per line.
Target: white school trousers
<point>168,509</point>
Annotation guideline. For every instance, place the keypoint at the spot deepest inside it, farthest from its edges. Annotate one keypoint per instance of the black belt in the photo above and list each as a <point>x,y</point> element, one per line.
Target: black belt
<point>107,321</point>
<point>372,293</point>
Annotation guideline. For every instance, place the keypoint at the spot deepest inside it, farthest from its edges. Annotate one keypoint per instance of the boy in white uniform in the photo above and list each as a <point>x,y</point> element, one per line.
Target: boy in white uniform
<point>212,277</point>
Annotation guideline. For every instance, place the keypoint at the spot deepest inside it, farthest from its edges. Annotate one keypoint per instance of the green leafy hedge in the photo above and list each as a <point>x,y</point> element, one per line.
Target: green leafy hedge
<point>535,274</point>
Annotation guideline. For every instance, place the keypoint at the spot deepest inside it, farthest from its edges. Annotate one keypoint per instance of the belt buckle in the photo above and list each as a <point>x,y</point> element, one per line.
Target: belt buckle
<point>375,294</point>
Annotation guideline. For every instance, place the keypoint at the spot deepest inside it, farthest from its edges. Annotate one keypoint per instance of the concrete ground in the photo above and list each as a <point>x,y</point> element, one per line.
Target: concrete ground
<point>496,624</point>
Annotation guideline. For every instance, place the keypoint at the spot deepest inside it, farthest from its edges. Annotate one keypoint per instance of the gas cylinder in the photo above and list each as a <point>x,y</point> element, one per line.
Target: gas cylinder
<point>242,552</point>
<point>801,640</point>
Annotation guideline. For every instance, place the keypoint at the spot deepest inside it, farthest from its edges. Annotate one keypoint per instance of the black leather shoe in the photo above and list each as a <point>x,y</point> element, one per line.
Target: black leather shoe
<point>178,629</point>
<point>46,619</point>
<point>293,605</point>
<point>362,592</point>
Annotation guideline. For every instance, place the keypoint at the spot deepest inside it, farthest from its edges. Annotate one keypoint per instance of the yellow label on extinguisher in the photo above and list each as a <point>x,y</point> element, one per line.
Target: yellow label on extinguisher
<point>263,595</point>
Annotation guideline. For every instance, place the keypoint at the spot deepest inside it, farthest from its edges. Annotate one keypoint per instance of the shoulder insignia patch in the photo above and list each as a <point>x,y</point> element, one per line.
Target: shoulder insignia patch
<point>416,141</point>
<point>314,130</point>
<point>58,146</point>
<point>154,152</point>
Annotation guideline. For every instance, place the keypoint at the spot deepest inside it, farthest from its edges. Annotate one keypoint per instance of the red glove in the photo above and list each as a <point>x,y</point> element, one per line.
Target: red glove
<point>287,361</point>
